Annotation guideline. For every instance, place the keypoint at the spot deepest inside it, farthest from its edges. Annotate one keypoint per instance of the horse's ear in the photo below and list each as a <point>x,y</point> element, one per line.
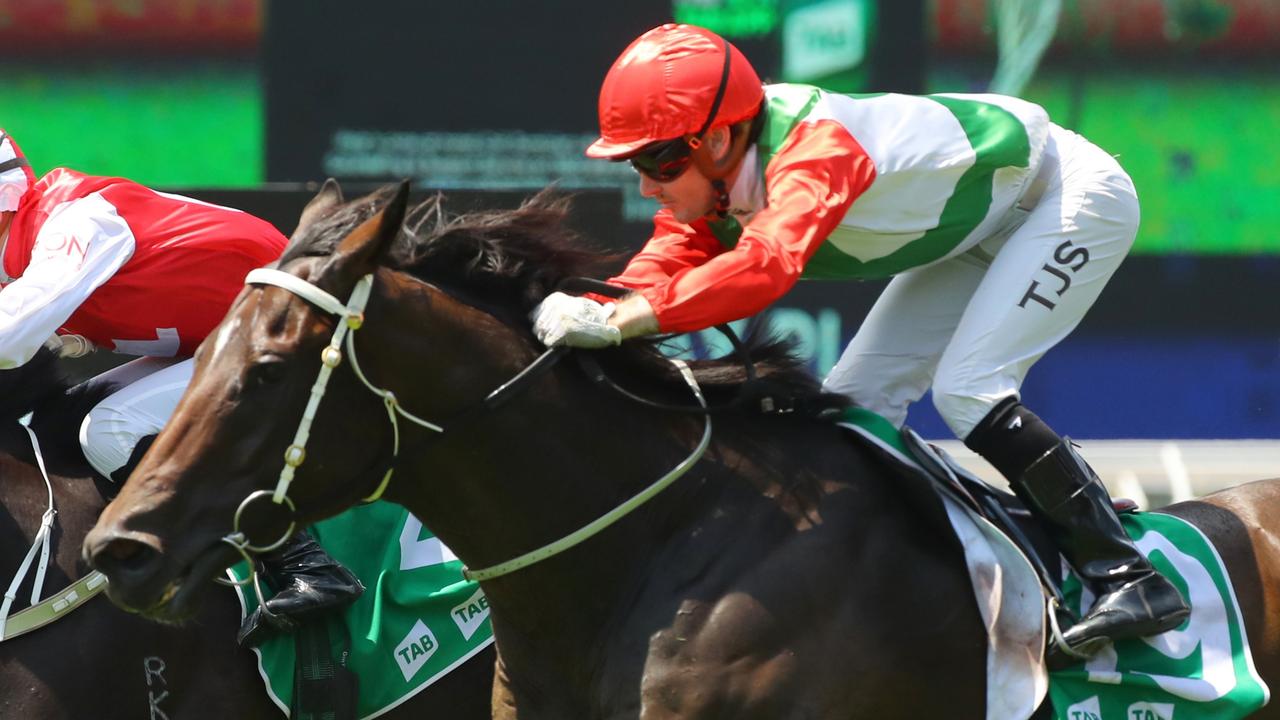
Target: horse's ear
<point>329,197</point>
<point>365,247</point>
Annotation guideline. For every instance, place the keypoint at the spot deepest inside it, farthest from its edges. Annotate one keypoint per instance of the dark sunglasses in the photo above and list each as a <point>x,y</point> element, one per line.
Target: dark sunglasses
<point>665,161</point>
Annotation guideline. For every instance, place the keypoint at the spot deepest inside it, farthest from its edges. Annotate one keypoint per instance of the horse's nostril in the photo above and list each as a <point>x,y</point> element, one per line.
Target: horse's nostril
<point>121,555</point>
<point>121,551</point>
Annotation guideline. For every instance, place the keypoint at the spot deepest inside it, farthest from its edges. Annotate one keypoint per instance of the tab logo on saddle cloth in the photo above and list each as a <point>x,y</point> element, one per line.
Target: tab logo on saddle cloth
<point>470,615</point>
<point>1090,709</point>
<point>1151,711</point>
<point>415,649</point>
<point>1085,710</point>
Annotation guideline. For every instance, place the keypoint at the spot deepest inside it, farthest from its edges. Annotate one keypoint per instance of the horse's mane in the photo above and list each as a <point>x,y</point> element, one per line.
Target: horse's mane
<point>513,257</point>
<point>507,261</point>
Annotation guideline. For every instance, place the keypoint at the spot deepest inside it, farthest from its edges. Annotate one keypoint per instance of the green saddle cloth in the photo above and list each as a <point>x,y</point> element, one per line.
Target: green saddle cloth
<point>417,620</point>
<point>1202,670</point>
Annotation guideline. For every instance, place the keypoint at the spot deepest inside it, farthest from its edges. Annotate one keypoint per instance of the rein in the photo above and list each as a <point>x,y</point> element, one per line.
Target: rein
<point>611,517</point>
<point>351,319</point>
<point>596,373</point>
<point>56,606</point>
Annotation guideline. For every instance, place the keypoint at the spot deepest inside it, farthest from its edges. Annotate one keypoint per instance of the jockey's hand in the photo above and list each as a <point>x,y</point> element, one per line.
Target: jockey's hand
<point>69,345</point>
<point>575,321</point>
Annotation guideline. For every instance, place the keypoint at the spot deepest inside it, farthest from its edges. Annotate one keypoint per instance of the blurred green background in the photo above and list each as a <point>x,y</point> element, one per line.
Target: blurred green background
<point>1195,143</point>
<point>1195,134</point>
<point>199,124</point>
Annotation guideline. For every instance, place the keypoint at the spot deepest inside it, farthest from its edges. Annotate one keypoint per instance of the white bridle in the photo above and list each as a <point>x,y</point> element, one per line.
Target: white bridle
<point>351,318</point>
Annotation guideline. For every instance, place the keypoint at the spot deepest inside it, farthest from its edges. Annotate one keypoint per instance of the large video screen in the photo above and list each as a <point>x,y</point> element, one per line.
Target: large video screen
<point>503,95</point>
<point>492,94</point>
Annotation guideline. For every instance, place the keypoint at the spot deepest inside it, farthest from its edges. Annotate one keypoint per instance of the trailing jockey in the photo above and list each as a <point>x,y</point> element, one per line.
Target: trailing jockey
<point>100,262</point>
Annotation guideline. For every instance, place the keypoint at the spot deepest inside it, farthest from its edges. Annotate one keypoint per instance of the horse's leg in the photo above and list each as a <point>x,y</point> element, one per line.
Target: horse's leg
<point>1241,523</point>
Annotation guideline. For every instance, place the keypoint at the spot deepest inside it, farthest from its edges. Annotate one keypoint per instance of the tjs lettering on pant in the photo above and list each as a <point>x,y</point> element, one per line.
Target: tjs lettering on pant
<point>1068,256</point>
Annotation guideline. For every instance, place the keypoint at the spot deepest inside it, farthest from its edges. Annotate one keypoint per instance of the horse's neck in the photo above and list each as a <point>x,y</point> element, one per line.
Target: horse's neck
<point>519,484</point>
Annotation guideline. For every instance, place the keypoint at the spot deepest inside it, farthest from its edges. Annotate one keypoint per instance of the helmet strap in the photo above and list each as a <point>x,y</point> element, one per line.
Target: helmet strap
<point>722,198</point>
<point>720,90</point>
<point>695,141</point>
<point>716,170</point>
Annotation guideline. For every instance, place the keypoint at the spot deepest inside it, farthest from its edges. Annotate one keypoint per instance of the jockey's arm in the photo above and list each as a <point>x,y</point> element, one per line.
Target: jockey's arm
<point>634,317</point>
<point>811,185</point>
<point>75,252</point>
<point>673,248</point>
<point>685,280</point>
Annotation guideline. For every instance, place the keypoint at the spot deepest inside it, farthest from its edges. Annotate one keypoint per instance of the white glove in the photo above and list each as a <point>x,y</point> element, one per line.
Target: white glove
<point>70,345</point>
<point>563,319</point>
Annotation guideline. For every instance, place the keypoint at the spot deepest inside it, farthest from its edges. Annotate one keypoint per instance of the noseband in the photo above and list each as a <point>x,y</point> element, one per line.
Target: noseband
<point>351,318</point>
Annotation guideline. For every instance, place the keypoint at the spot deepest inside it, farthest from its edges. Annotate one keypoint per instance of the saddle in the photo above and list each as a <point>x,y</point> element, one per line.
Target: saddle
<point>912,454</point>
<point>1001,508</point>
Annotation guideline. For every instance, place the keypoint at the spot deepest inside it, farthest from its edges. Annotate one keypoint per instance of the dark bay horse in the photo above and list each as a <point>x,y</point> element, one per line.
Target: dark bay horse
<point>97,661</point>
<point>789,574</point>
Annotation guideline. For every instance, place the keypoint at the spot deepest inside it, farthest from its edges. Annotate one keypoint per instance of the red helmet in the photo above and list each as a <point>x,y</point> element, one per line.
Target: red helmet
<point>15,174</point>
<point>674,80</point>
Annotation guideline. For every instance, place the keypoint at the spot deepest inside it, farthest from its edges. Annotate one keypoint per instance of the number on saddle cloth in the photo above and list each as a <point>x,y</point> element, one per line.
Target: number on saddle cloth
<point>1202,670</point>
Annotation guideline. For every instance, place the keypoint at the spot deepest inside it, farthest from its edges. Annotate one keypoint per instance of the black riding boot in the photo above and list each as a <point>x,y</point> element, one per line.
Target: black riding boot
<point>110,487</point>
<point>310,584</point>
<point>1133,600</point>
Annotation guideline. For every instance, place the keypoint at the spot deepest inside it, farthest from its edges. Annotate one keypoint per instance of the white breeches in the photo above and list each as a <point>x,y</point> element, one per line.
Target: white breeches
<point>972,325</point>
<point>152,387</point>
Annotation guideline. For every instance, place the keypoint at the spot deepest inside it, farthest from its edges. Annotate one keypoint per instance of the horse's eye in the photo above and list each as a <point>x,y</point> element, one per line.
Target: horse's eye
<point>266,372</point>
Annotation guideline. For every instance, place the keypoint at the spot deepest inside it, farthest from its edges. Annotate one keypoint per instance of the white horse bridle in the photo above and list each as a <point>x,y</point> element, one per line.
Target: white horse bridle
<point>351,318</point>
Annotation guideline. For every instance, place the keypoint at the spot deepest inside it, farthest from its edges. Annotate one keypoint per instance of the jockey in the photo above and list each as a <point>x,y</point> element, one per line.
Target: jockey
<point>998,227</point>
<point>99,262</point>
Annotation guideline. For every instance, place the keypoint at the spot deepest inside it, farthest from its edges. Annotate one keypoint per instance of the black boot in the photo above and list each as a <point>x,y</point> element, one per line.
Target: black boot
<point>110,487</point>
<point>310,584</point>
<point>1133,600</point>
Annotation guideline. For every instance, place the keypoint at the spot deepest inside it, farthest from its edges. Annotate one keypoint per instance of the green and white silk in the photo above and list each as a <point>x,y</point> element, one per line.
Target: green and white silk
<point>949,169</point>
